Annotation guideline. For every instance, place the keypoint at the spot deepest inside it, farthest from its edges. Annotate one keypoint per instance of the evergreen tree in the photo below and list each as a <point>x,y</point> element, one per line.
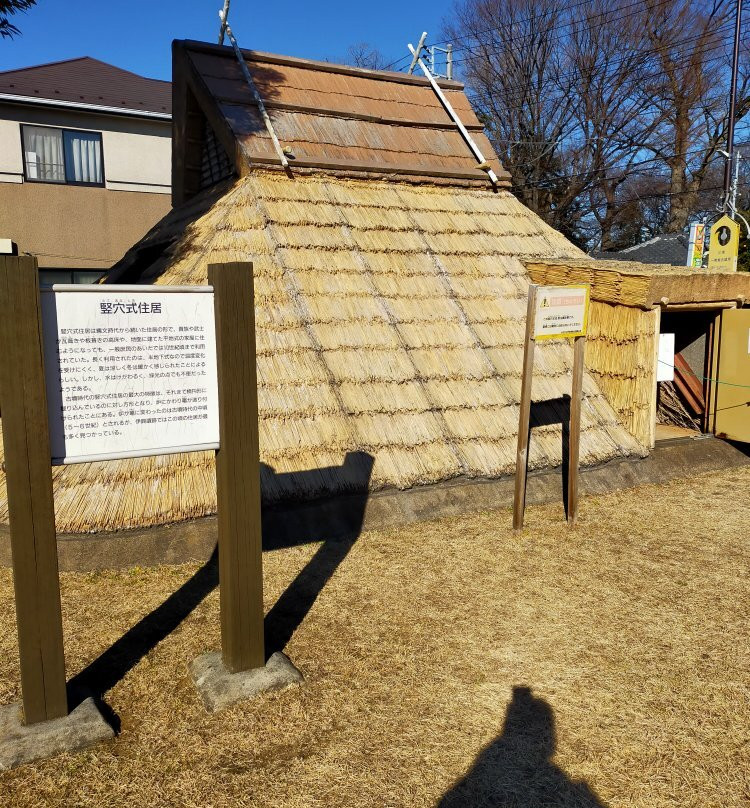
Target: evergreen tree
<point>7,9</point>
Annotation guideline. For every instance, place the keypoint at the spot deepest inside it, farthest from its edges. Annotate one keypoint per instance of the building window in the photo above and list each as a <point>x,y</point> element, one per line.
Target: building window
<point>62,155</point>
<point>49,277</point>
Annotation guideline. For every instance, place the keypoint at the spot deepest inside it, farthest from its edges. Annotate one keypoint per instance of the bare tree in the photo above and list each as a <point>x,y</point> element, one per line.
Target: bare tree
<point>515,82</point>
<point>580,98</point>
<point>556,86</point>
<point>362,54</point>
<point>612,110</point>
<point>7,9</point>
<point>686,75</point>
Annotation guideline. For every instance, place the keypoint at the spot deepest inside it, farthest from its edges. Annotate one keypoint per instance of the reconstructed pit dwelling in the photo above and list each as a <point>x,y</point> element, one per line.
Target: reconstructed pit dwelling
<point>391,288</point>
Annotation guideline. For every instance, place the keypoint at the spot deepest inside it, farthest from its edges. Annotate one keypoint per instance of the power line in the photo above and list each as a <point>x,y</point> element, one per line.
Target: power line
<point>591,27</point>
<point>546,96</point>
<point>628,172</point>
<point>521,21</point>
<point>562,9</point>
<point>725,27</point>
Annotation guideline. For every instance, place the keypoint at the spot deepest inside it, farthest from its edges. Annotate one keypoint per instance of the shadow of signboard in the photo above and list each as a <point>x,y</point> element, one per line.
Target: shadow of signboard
<point>281,528</point>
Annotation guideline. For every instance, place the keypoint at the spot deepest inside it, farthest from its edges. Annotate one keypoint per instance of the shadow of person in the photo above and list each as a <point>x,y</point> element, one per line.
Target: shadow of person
<point>516,769</point>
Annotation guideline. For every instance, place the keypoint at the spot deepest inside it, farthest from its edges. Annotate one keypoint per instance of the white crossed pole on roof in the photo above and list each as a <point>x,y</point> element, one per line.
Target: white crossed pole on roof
<point>483,164</point>
<point>251,84</point>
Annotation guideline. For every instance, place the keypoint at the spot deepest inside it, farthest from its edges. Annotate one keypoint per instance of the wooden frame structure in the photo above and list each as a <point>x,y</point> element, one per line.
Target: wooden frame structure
<point>627,302</point>
<point>28,467</point>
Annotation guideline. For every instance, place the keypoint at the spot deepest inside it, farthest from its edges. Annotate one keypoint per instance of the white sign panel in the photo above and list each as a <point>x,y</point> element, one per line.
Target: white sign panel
<point>561,311</point>
<point>130,371</point>
<point>665,363</point>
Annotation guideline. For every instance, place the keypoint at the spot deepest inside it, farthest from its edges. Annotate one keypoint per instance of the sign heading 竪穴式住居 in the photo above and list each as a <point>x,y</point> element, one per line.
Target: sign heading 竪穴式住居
<point>129,371</point>
<point>561,311</point>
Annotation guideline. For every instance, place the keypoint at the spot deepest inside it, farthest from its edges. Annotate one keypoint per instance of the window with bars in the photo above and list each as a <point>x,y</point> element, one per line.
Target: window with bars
<point>62,155</point>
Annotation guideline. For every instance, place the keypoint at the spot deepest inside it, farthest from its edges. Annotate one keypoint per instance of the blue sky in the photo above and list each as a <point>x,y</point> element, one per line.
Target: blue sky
<point>136,35</point>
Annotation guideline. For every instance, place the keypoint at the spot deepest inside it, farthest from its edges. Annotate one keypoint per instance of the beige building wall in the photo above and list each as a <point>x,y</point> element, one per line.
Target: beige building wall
<point>76,227</point>
<point>81,227</point>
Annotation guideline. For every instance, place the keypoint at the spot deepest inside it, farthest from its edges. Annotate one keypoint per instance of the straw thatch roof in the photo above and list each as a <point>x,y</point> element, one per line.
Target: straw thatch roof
<point>390,321</point>
<point>631,283</point>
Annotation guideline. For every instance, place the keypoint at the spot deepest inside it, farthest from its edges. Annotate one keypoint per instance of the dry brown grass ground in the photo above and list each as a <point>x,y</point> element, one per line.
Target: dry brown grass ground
<point>446,661</point>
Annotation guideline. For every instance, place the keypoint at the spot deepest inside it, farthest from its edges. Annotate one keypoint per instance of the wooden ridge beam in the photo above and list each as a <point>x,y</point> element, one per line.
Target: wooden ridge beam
<point>377,168</point>
<point>309,64</point>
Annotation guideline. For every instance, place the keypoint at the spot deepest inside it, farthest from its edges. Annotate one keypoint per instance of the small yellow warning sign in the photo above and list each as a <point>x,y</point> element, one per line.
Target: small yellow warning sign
<point>724,245</point>
<point>561,311</point>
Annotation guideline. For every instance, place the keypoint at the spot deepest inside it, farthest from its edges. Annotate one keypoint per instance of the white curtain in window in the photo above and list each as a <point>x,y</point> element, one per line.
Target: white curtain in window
<point>83,156</point>
<point>44,154</point>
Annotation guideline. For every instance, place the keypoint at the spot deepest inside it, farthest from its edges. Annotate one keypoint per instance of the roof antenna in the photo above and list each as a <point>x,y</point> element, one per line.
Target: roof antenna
<point>224,16</point>
<point>415,54</point>
<point>483,164</point>
<point>253,89</point>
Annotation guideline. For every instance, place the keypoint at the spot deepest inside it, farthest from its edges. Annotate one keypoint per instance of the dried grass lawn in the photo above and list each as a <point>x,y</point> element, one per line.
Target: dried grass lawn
<point>447,663</point>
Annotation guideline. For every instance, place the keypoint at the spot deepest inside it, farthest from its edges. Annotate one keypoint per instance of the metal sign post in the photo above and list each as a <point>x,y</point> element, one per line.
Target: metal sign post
<point>553,312</point>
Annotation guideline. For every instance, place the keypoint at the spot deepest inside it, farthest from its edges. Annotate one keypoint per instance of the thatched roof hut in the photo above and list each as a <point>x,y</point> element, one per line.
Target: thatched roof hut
<point>390,291</point>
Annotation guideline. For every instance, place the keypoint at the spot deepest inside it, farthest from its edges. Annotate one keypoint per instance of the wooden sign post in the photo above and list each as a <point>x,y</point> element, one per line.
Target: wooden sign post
<point>553,312</point>
<point>522,451</point>
<point>40,414</point>
<point>238,469</point>
<point>28,474</point>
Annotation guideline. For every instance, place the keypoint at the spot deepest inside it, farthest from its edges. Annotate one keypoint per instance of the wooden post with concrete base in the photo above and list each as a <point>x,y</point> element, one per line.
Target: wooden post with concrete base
<point>241,670</point>
<point>44,727</point>
<point>31,511</point>
<point>238,469</point>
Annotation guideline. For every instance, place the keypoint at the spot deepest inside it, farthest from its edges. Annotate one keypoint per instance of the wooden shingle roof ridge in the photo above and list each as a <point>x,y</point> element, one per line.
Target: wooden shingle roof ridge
<point>331,118</point>
<point>316,64</point>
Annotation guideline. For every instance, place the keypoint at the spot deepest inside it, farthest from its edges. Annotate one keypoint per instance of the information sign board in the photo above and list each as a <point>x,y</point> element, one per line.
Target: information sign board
<point>724,245</point>
<point>665,361</point>
<point>130,371</point>
<point>561,311</point>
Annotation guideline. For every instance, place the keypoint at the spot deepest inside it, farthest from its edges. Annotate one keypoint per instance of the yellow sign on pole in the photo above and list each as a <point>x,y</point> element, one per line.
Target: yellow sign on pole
<point>561,311</point>
<point>724,246</point>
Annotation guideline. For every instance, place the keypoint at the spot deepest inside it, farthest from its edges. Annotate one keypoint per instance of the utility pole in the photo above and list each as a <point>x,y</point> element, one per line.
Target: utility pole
<point>732,107</point>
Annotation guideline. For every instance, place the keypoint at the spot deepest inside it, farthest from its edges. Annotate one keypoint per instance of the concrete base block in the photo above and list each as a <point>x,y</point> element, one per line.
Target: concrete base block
<point>220,687</point>
<point>20,743</point>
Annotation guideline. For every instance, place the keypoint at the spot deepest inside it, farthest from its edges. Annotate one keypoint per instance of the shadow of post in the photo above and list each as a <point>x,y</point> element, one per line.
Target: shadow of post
<point>555,411</point>
<point>343,516</point>
<point>516,769</point>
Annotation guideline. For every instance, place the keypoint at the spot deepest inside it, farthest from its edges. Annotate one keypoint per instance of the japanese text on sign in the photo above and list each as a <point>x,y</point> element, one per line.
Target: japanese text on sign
<point>129,373</point>
<point>561,311</point>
